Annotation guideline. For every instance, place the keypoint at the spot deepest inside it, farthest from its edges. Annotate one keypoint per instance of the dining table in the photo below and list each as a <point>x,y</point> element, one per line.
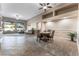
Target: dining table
<point>44,36</point>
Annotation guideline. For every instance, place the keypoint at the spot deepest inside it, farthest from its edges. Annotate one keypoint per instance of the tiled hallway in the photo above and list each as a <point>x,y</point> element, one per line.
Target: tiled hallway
<point>26,45</point>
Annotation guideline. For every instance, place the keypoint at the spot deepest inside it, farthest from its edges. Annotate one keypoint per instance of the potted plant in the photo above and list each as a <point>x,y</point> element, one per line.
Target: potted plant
<point>72,35</point>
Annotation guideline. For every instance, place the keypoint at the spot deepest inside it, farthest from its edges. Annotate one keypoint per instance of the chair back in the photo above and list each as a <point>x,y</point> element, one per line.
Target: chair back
<point>52,34</point>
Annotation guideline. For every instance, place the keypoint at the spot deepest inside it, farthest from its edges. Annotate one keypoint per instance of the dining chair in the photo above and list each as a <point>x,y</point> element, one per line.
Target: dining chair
<point>38,35</point>
<point>52,35</point>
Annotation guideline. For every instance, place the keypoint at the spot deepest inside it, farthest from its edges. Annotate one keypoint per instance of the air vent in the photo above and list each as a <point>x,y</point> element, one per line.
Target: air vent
<point>47,15</point>
<point>66,9</point>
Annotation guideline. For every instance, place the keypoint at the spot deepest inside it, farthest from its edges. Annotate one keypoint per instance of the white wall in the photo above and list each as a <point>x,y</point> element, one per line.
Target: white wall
<point>34,22</point>
<point>67,24</point>
<point>50,25</point>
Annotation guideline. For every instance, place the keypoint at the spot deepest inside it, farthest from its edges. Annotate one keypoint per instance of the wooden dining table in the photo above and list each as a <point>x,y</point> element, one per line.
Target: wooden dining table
<point>44,36</point>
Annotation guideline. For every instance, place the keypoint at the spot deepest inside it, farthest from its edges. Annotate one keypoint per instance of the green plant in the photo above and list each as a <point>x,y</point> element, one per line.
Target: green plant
<point>72,35</point>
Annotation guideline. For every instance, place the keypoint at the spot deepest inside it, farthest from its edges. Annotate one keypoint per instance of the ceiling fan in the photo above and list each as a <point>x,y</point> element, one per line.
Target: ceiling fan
<point>45,6</point>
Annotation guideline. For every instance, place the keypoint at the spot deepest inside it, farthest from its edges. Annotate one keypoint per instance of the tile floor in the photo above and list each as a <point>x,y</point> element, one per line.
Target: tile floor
<point>26,45</point>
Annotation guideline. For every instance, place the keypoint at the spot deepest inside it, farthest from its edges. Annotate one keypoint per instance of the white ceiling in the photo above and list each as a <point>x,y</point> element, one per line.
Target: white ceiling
<point>24,10</point>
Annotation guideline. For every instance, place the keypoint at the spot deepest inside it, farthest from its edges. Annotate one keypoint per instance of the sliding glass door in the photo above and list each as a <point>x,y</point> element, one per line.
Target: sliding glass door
<point>20,27</point>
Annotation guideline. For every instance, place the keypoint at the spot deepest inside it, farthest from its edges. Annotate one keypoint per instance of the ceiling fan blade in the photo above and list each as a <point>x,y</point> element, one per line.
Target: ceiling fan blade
<point>49,6</point>
<point>48,3</point>
<point>40,8</point>
<point>41,4</point>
